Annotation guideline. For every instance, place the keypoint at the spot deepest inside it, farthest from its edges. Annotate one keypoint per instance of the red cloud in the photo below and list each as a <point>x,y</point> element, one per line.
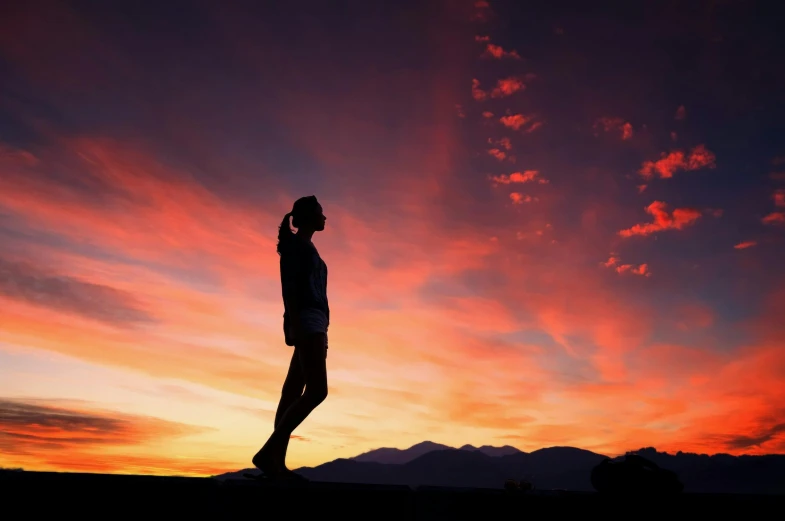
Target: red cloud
<point>774,218</point>
<point>498,154</point>
<point>518,198</point>
<point>641,269</point>
<point>479,38</point>
<point>497,52</point>
<point>477,92</point>
<point>681,112</point>
<point>487,114</point>
<point>516,177</point>
<point>779,197</point>
<point>507,87</point>
<point>502,143</point>
<point>516,121</point>
<point>608,124</point>
<point>669,164</point>
<point>534,126</point>
<point>746,244</point>
<point>663,220</point>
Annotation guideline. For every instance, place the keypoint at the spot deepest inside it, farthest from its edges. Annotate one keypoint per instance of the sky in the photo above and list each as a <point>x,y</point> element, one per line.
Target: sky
<point>547,225</point>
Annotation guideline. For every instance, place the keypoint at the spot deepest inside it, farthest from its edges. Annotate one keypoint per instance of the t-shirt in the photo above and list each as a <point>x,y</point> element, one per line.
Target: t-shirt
<point>304,287</point>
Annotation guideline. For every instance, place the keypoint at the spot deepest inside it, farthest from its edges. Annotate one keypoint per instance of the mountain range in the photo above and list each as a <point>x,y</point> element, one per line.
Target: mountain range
<point>566,468</point>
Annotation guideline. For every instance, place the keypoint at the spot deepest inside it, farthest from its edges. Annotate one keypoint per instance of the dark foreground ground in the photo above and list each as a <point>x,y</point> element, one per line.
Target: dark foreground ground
<point>119,496</point>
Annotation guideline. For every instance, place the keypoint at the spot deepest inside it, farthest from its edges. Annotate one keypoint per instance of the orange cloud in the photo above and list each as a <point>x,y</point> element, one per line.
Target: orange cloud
<point>663,220</point>
<point>669,164</point>
<point>516,177</point>
<point>507,87</point>
<point>39,435</point>
<point>497,52</point>
<point>774,218</point>
<point>746,244</point>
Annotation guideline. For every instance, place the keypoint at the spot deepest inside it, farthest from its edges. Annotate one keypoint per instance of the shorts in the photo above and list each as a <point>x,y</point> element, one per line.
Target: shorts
<point>311,321</point>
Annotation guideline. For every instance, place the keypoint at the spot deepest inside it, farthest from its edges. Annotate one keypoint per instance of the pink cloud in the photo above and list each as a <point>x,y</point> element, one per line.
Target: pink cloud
<point>663,220</point>
<point>497,52</point>
<point>746,244</point>
<point>516,177</point>
<point>674,136</point>
<point>681,112</point>
<point>774,218</point>
<point>479,38</point>
<point>669,164</point>
<point>642,188</point>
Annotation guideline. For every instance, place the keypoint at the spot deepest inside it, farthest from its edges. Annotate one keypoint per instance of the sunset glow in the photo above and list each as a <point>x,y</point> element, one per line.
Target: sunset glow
<point>535,237</point>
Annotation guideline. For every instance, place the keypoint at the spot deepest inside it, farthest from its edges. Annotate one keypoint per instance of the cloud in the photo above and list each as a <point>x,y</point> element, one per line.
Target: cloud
<point>516,177</point>
<point>609,124</point>
<point>23,281</point>
<point>497,52</point>
<point>35,428</point>
<point>498,154</point>
<point>519,198</point>
<point>641,269</point>
<point>663,220</point>
<point>477,93</point>
<point>759,438</point>
<point>516,121</point>
<point>483,39</point>
<point>745,244</point>
<point>681,113</point>
<point>504,143</point>
<point>779,197</point>
<point>677,160</point>
<point>487,114</point>
<point>507,87</point>
<point>774,218</point>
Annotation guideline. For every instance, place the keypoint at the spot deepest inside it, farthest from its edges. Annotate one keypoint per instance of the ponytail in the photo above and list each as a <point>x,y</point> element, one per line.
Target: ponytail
<point>284,233</point>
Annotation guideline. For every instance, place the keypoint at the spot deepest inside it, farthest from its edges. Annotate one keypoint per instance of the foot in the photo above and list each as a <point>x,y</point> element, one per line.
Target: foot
<point>265,462</point>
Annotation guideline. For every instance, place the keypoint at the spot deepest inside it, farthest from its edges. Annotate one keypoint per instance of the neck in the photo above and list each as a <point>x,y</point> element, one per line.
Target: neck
<point>305,234</point>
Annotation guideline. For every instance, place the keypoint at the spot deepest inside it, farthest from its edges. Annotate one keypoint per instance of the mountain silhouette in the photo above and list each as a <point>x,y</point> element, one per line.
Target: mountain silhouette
<point>565,468</point>
<point>506,450</point>
<point>399,456</point>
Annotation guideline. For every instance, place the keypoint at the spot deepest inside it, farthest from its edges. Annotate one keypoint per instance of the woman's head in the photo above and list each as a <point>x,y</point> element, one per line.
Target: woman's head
<point>307,216</point>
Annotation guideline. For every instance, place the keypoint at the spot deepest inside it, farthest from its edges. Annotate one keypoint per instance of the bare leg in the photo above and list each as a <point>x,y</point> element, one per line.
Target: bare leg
<point>312,355</point>
<point>292,389</point>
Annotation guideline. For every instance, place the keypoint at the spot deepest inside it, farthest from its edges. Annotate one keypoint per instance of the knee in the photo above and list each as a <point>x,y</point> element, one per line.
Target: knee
<point>292,390</point>
<point>317,394</point>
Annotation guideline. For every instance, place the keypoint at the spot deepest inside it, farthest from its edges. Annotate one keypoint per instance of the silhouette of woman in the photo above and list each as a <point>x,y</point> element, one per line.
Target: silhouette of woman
<point>305,321</point>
